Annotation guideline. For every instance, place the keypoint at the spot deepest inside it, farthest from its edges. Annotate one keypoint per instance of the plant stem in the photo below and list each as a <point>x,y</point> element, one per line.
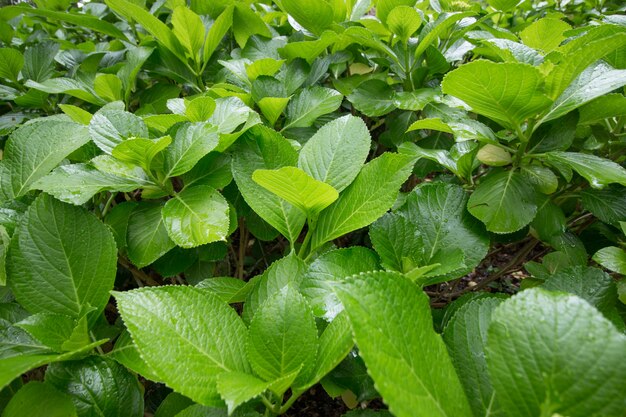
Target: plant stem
<point>305,244</point>
<point>294,396</point>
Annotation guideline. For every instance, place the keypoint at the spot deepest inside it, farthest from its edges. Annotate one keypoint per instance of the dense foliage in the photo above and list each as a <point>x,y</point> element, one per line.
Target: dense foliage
<point>209,207</point>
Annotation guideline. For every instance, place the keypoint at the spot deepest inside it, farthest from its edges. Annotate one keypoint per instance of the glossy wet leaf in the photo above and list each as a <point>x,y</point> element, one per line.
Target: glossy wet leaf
<point>125,352</point>
<point>205,340</point>
<point>196,216</point>
<point>400,358</point>
<point>108,128</point>
<point>552,371</point>
<point>62,259</point>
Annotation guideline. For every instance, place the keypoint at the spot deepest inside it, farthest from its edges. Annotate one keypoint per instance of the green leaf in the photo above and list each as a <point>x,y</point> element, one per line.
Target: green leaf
<point>545,34</point>
<point>400,357</point>
<point>317,284</point>
<point>189,30</point>
<point>207,339</point>
<point>5,241</point>
<point>62,259</point>
<point>504,201</point>
<point>309,104</point>
<point>600,172</point>
<point>147,237</point>
<point>508,93</point>
<point>541,177</point>
<point>335,153</point>
<point>37,399</point>
<point>216,33</point>
<point>231,290</point>
<point>78,183</point>
<point>612,258</point>
<point>610,105</point>
<point>60,333</point>
<point>432,32</point>
<point>264,148</point>
<point>272,107</point>
<point>133,12</point>
<point>196,216</point>
<point>108,87</point>
<point>98,386</point>
<point>466,337</point>
<point>314,16</point>
<point>373,98</point>
<point>238,387</point>
<point>125,352</point>
<point>283,337</point>
<point>503,5</point>
<point>554,337</point>
<point>371,194</point>
<point>191,143</point>
<point>140,151</point>
<point>247,22</point>
<point>77,114</point>
<point>39,61</point>
<point>265,66</point>
<point>593,82</point>
<point>212,170</point>
<point>11,63</point>
<point>67,86</point>
<point>403,21</point>
<point>298,188</point>
<point>109,128</point>
<point>608,205</point>
<point>200,109</point>
<point>33,150</point>
<point>384,7</point>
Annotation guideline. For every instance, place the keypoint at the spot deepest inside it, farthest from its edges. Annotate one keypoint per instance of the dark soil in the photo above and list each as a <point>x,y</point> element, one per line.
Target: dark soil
<point>316,403</point>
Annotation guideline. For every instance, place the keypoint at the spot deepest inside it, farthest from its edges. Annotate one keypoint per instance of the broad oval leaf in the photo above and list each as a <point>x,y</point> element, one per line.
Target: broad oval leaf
<point>186,328</point>
<point>309,104</point>
<point>555,353</point>
<point>508,93</point>
<point>400,358</point>
<point>504,201</point>
<point>336,152</point>
<point>109,128</point>
<point>62,259</point>
<point>147,236</point>
<point>196,216</point>
<point>191,143</point>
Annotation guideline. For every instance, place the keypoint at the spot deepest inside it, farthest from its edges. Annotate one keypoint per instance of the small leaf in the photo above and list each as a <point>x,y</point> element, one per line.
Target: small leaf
<point>508,93</point>
<point>205,340</point>
<point>494,156</point>
<point>200,109</point>
<point>140,151</point>
<point>504,201</point>
<point>108,128</point>
<point>403,21</point>
<point>399,357</point>
<point>298,188</point>
<point>196,216</point>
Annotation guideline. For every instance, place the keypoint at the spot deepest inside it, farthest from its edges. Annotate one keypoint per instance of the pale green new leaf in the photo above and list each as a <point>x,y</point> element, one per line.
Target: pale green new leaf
<point>186,328</point>
<point>336,152</point>
<point>238,387</point>
<point>272,107</point>
<point>372,193</point>
<point>196,216</point>
<point>403,21</point>
<point>264,148</point>
<point>188,28</point>
<point>508,93</point>
<point>191,143</point>
<point>400,357</point>
<point>309,104</point>
<point>298,188</point>
<point>504,201</point>
<point>200,109</point>
<point>432,32</point>
<point>554,353</point>
<point>108,87</point>
<point>545,34</point>
<point>313,15</point>
<point>216,32</point>
<point>62,259</point>
<point>147,236</point>
<point>108,128</point>
<point>140,151</point>
<point>466,337</point>
<point>33,150</point>
<point>283,337</point>
<point>600,172</point>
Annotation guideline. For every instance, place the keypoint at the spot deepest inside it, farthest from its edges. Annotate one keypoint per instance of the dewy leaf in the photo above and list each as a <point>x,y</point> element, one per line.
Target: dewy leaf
<point>309,104</point>
<point>264,148</point>
<point>508,93</point>
<point>553,353</point>
<point>196,216</point>
<point>371,194</point>
<point>400,358</point>
<point>504,201</point>
<point>317,284</point>
<point>466,337</point>
<point>108,128</point>
<point>298,188</point>
<point>77,183</point>
<point>181,327</point>
<point>600,172</point>
<point>439,211</point>
<point>147,237</point>
<point>33,150</point>
<point>62,259</point>
<point>335,153</point>
<point>98,386</point>
<point>595,81</point>
<point>37,399</point>
<point>373,98</point>
<point>238,387</point>
<point>283,337</point>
